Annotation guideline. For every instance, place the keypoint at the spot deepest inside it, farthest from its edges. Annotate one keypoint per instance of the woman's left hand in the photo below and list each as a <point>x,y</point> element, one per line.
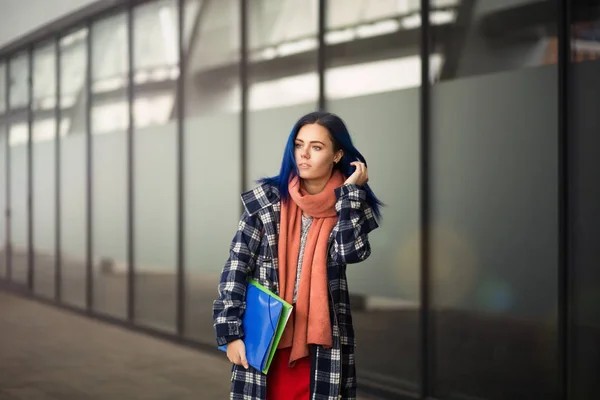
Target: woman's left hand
<point>360,176</point>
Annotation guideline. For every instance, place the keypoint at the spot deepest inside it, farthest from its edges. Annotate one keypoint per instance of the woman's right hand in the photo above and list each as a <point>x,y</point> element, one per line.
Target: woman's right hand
<point>236,352</point>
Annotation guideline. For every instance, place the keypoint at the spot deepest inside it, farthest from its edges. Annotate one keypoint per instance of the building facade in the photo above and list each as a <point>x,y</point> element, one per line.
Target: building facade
<point>128,130</point>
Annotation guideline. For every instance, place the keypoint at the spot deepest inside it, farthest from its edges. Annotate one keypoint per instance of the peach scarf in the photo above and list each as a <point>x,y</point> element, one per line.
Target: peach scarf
<point>311,324</point>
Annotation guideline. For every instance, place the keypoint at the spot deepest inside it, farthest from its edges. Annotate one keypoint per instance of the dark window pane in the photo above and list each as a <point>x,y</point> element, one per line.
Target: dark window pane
<point>585,198</point>
<point>487,36</point>
<point>494,210</point>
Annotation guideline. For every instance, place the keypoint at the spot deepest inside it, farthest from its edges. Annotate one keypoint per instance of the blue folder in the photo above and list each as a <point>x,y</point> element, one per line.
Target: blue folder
<point>263,321</point>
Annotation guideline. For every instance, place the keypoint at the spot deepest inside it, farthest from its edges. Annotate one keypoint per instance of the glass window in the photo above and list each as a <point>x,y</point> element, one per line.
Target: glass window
<point>44,171</point>
<point>3,182</point>
<point>73,53</point>
<point>211,122</point>
<point>110,120</point>
<point>73,231</point>
<point>19,87</point>
<point>584,197</point>
<point>283,78</point>
<point>3,153</point>
<point>2,88</point>
<point>157,47</point>
<point>155,30</point>
<point>373,47</point>
<point>283,55</point>
<point>18,137</point>
<point>372,82</point>
<point>493,185</point>
<point>155,55</point>
<point>487,36</point>
<point>3,198</point>
<point>44,78</point>
<point>109,76</point>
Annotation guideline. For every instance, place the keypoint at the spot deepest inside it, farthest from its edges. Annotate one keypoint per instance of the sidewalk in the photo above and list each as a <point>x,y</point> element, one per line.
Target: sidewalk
<point>50,354</point>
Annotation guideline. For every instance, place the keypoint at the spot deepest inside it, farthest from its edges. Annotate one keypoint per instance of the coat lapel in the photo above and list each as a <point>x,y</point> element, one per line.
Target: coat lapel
<point>265,202</point>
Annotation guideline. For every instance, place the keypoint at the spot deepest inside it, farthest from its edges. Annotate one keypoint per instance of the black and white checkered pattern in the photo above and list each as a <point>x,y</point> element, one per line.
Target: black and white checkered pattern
<point>253,253</point>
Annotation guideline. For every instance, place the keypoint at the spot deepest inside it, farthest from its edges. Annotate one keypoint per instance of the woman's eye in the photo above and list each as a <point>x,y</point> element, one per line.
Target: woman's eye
<point>316,148</point>
<point>298,145</point>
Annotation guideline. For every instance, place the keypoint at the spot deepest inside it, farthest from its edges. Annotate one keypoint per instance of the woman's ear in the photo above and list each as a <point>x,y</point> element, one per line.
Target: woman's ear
<point>338,156</point>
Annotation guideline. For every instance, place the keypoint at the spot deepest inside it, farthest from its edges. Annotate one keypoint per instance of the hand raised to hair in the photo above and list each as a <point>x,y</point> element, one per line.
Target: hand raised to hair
<point>360,176</point>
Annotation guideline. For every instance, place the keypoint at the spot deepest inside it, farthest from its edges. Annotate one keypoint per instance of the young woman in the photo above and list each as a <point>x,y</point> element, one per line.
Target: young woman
<point>296,235</point>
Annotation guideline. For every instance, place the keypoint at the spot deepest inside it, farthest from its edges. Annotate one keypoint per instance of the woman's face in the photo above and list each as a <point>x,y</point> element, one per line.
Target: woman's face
<point>314,153</point>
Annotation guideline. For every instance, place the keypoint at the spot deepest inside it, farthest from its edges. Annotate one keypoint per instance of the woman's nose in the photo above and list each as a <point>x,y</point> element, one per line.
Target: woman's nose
<point>304,153</point>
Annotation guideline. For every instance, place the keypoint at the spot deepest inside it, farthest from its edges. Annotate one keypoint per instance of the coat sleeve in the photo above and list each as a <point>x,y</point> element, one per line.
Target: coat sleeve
<point>355,220</point>
<point>230,304</point>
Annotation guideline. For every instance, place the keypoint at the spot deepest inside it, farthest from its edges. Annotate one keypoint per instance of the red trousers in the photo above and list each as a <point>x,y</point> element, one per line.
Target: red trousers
<point>285,383</point>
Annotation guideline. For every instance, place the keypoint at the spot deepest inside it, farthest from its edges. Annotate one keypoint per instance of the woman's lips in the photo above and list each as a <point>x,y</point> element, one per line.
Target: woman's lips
<point>304,166</point>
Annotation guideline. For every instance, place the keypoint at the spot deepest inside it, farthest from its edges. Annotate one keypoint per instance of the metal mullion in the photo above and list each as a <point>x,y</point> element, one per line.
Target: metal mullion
<point>244,75</point>
<point>322,53</point>
<point>30,216</point>
<point>89,170</point>
<point>426,331</point>
<point>565,294</point>
<point>130,173</point>
<point>57,174</point>
<point>8,211</point>
<point>181,293</point>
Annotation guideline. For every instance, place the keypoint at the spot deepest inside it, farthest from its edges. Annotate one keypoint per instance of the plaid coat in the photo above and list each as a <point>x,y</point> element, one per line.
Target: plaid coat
<point>253,253</point>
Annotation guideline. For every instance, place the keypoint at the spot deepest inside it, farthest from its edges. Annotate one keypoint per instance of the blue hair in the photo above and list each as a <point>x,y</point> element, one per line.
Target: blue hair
<point>341,140</point>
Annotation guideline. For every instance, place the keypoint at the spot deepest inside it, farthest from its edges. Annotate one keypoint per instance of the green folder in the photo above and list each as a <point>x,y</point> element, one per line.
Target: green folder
<point>284,316</point>
<point>264,321</point>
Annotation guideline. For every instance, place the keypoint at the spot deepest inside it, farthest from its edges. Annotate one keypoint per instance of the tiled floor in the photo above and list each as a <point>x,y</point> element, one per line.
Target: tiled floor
<point>50,354</point>
<point>47,354</point>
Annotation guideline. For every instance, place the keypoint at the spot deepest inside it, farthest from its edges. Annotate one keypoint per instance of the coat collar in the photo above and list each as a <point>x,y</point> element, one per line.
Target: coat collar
<point>260,197</point>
